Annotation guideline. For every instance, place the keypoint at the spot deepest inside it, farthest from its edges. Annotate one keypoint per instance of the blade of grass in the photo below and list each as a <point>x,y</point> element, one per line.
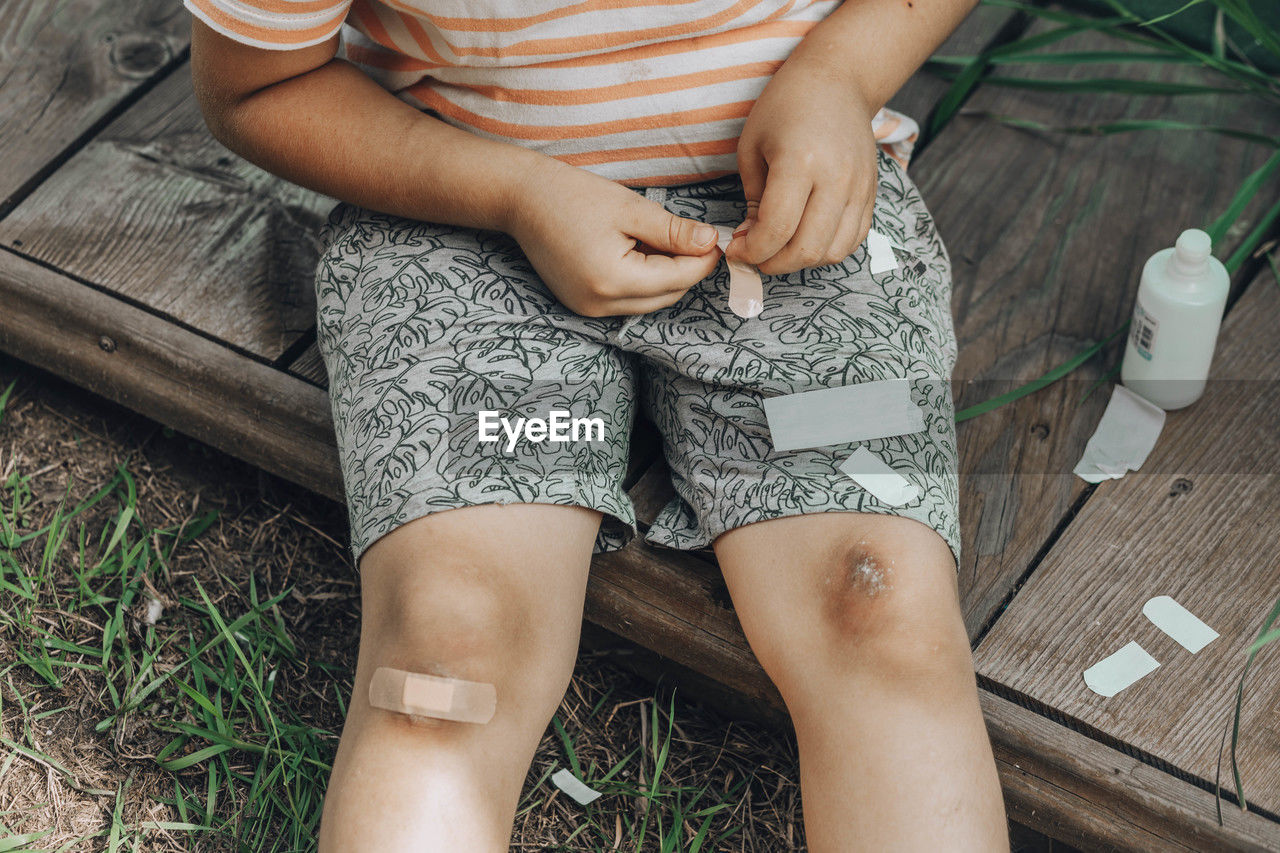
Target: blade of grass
<point>1256,80</point>
<point>20,842</point>
<point>1243,14</point>
<point>1036,384</point>
<point>1234,724</point>
<point>1106,86</point>
<point>1167,15</point>
<point>1079,57</point>
<point>1128,126</point>
<point>961,87</point>
<point>1245,194</point>
<point>1253,239</point>
<point>4,398</point>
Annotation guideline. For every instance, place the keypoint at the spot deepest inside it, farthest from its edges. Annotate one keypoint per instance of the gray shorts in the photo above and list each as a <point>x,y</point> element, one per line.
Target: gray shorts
<point>432,334</point>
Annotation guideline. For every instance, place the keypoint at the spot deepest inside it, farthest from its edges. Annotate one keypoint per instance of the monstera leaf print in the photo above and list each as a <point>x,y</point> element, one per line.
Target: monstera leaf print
<point>422,325</point>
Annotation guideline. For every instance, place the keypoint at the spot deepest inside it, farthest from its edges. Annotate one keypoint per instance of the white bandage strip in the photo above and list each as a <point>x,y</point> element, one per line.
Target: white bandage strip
<point>880,253</point>
<point>885,484</point>
<point>1179,623</point>
<point>432,696</point>
<point>1124,438</point>
<point>571,785</point>
<point>858,412</point>
<point>1115,672</point>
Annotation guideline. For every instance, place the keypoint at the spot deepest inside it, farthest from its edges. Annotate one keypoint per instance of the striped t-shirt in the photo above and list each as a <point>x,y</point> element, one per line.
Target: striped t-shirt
<point>640,92</point>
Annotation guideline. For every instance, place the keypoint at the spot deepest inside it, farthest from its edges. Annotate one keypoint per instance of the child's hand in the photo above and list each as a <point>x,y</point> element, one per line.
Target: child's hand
<point>581,233</point>
<point>807,157</point>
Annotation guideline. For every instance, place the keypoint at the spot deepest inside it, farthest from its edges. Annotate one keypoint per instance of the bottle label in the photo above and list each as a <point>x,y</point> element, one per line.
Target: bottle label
<point>1143,332</point>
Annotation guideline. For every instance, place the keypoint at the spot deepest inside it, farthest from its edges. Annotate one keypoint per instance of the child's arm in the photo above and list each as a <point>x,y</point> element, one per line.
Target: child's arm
<point>807,154</point>
<point>321,123</point>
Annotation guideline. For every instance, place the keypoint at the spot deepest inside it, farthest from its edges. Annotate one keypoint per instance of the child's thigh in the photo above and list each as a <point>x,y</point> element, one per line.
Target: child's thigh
<point>433,336</point>
<point>708,373</point>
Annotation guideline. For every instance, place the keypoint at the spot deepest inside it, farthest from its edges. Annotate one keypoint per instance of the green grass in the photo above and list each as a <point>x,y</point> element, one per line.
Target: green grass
<point>242,766</point>
<point>665,814</point>
<point>195,694</point>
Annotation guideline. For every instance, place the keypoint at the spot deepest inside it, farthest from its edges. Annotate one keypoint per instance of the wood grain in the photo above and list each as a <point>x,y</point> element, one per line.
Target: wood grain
<point>156,210</point>
<point>1198,522</point>
<point>180,378</point>
<point>1093,797</point>
<point>310,366</point>
<point>1047,234</point>
<point>65,65</point>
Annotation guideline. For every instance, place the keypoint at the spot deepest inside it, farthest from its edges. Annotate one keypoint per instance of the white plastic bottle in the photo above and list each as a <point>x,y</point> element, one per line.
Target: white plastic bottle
<point>1175,323</point>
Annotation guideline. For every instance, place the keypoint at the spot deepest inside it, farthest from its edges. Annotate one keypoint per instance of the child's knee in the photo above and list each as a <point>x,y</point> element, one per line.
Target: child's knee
<point>889,615</point>
<point>457,615</point>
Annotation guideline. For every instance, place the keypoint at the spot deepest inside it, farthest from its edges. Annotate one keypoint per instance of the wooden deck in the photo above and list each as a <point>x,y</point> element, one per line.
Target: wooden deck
<point>141,260</point>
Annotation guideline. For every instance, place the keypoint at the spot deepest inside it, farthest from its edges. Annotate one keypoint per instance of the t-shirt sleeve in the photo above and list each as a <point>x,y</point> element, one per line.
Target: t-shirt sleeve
<point>272,24</point>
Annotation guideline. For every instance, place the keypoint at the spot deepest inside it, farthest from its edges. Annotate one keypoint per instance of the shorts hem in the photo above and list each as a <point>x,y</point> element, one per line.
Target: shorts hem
<point>617,526</point>
<point>705,534</point>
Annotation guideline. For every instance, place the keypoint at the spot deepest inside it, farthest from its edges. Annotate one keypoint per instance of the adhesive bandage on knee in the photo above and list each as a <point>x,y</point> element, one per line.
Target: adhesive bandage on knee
<point>422,695</point>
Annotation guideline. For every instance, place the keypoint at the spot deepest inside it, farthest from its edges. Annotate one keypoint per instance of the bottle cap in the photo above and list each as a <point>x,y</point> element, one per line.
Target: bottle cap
<point>1191,253</point>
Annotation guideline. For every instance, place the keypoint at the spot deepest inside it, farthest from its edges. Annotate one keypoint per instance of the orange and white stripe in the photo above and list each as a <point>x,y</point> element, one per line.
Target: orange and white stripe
<point>642,92</point>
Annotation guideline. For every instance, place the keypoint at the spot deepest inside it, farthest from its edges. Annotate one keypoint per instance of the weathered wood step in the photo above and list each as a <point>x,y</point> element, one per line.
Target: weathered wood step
<point>1199,523</point>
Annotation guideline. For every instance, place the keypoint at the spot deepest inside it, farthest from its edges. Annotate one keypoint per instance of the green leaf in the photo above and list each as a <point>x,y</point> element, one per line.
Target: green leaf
<point>176,764</point>
<point>4,398</point>
<point>1036,384</point>
<point>1269,637</point>
<point>1241,11</point>
<point>18,842</point>
<point>949,104</point>
<point>1245,194</point>
<point>1235,721</point>
<point>1107,86</point>
<point>1129,126</point>
<point>1166,16</point>
<point>1254,237</point>
<point>126,515</point>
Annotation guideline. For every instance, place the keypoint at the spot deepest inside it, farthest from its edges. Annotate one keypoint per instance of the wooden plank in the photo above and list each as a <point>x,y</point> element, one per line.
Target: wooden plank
<point>1197,523</point>
<point>65,65</point>
<point>196,385</point>
<point>156,210</point>
<point>652,492</point>
<point>1047,235</point>
<point>1076,790</point>
<point>310,366</point>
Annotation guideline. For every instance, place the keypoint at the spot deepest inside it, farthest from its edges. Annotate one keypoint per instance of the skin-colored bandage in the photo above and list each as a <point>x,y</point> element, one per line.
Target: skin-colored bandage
<point>746,290</point>
<point>432,696</point>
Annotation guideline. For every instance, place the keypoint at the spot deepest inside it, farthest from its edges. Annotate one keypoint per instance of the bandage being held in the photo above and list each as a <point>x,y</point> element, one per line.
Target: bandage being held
<point>746,290</point>
<point>422,695</point>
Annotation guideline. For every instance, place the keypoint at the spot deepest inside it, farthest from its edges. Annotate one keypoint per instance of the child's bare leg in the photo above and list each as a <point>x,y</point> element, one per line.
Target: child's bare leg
<point>490,594</point>
<point>855,617</point>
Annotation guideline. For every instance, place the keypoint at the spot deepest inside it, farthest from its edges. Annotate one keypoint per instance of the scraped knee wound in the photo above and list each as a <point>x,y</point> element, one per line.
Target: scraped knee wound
<point>868,576</point>
<point>864,573</point>
<point>420,695</point>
